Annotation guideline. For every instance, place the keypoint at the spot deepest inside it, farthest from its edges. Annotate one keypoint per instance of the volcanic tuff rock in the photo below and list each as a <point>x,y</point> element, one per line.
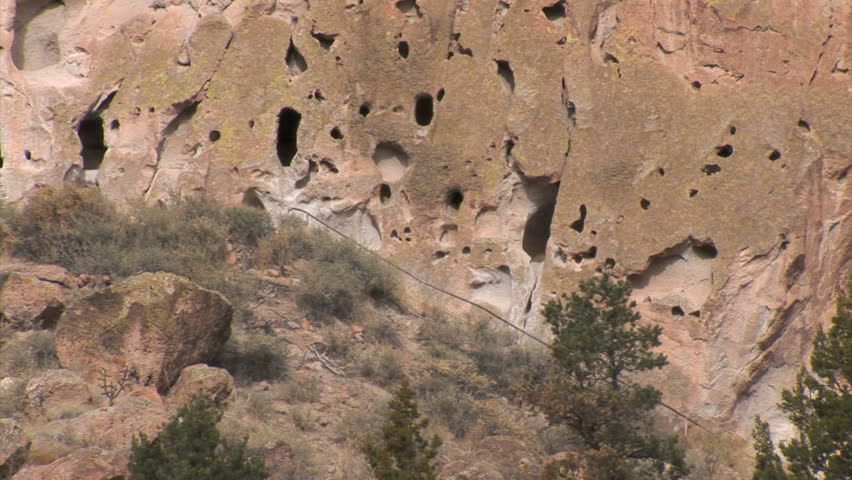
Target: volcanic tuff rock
<point>504,149</point>
<point>153,324</point>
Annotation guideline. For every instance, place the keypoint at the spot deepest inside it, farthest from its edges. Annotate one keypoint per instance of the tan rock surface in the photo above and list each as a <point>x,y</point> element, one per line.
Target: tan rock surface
<point>34,296</point>
<point>57,393</point>
<point>14,447</point>
<point>647,129</point>
<point>213,383</point>
<point>83,464</point>
<point>153,324</point>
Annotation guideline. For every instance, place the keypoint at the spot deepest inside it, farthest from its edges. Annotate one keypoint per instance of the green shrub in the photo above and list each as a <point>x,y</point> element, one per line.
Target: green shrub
<point>190,447</point>
<point>254,358</point>
<point>303,390</point>
<point>292,240</point>
<point>338,342</point>
<point>454,407</point>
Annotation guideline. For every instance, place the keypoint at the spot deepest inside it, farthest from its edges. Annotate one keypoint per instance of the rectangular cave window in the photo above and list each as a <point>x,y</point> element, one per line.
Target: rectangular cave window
<point>537,229</point>
<point>287,140</point>
<point>91,134</point>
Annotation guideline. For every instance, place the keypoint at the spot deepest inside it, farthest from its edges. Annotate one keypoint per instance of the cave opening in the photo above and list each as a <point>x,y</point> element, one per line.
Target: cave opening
<point>287,140</point>
<point>455,197</point>
<point>506,74</point>
<point>537,228</point>
<point>725,151</point>
<point>555,13</point>
<point>424,109</point>
<point>579,224</point>
<point>402,47</point>
<point>384,193</point>
<point>91,134</point>
<point>296,63</point>
<point>364,109</point>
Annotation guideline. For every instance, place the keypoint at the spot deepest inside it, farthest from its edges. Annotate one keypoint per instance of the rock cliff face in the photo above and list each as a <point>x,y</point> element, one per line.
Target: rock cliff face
<point>505,149</point>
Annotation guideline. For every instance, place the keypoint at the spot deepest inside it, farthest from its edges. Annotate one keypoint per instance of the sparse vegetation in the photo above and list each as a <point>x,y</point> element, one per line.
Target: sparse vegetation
<point>26,353</point>
<point>382,365</point>
<point>254,358</point>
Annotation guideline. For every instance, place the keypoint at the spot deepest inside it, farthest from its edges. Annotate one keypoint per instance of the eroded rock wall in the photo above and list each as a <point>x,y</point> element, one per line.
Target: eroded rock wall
<point>504,149</point>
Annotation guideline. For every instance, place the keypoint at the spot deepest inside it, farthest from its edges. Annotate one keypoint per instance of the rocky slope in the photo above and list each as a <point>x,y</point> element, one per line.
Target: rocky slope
<point>506,149</point>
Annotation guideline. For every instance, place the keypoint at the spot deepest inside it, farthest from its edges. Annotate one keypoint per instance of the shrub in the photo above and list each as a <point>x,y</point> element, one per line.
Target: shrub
<point>254,358</point>
<point>454,407</point>
<point>191,447</point>
<point>24,354</point>
<point>382,365</point>
<point>292,240</point>
<point>381,329</point>
<point>338,342</point>
<point>303,390</point>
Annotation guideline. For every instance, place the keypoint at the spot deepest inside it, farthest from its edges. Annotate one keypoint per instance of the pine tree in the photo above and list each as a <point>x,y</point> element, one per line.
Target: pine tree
<point>597,345</point>
<point>403,453</point>
<point>191,448</point>
<point>767,463</point>
<point>820,407</point>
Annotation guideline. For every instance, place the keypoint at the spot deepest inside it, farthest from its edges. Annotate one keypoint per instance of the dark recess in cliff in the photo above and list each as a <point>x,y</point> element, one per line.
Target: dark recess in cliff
<point>91,134</point>
<point>288,130</point>
<point>542,196</point>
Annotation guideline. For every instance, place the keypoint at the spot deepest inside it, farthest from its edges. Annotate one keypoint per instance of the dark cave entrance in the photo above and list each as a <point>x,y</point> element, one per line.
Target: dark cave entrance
<point>288,130</point>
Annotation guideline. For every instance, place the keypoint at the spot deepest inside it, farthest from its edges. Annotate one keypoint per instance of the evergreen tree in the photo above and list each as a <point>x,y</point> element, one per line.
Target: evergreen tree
<point>191,448</point>
<point>597,345</point>
<point>403,453</point>
<point>820,407</point>
<point>767,463</point>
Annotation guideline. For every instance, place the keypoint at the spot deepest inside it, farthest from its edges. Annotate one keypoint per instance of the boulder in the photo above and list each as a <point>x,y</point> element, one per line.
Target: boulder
<point>210,382</point>
<point>57,393</point>
<point>154,325</point>
<point>83,464</point>
<point>34,296</point>
<point>14,447</point>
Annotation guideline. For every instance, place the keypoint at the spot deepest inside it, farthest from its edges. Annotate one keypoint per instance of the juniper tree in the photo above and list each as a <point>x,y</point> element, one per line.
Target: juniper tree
<point>190,448</point>
<point>597,346</point>
<point>403,454</point>
<point>767,463</point>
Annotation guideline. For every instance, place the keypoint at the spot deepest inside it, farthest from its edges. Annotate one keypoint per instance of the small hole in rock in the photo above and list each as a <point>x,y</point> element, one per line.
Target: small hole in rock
<point>661,171</point>
<point>214,135</point>
<point>364,110</point>
<point>696,313</point>
<point>406,230</point>
<point>329,166</point>
<point>455,197</point>
<point>440,95</point>
<point>251,123</point>
<point>466,251</point>
<point>506,74</point>
<point>805,125</point>
<point>555,13</point>
<point>394,234</point>
<point>114,125</point>
<point>677,311</point>
<point>295,61</point>
<point>733,130</point>
<point>693,192</point>
<point>424,109</point>
<point>384,192</point>
<point>28,154</point>
<point>439,255</point>
<point>151,110</point>
<point>645,204</point>
<point>711,169</point>
<point>724,151</point>
<point>504,269</point>
<point>578,224</point>
<point>774,155</point>
<point>609,263</point>
<point>252,199</point>
<point>696,85</point>
<point>402,47</point>
<point>325,41</point>
<point>705,250</point>
<point>336,134</point>
<point>91,134</point>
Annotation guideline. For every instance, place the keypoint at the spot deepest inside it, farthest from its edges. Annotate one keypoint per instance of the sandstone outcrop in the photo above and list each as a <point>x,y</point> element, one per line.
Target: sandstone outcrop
<point>34,296</point>
<point>57,393</point>
<point>153,325</point>
<point>14,447</point>
<point>213,383</point>
<point>83,464</point>
<point>505,151</point>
